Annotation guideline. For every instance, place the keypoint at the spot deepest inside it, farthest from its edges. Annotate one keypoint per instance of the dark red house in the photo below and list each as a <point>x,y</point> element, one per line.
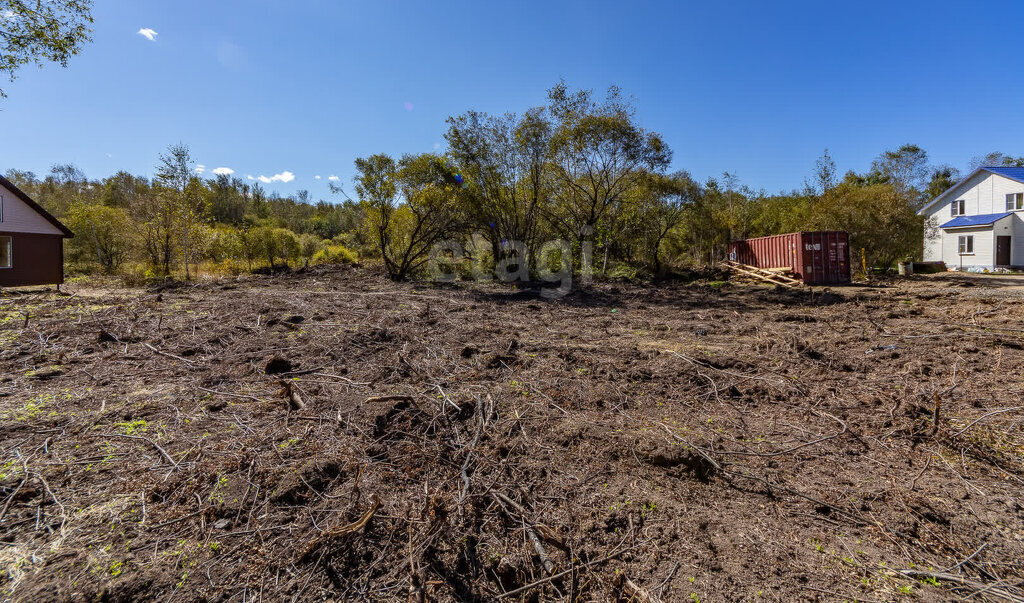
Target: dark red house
<point>31,241</point>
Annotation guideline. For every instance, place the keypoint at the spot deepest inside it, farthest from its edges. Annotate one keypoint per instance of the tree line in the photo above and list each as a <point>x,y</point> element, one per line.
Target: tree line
<point>174,223</point>
<point>578,169</point>
<point>581,169</point>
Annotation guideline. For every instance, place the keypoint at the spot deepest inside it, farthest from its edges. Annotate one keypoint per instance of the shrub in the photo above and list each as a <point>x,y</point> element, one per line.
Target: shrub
<point>335,254</point>
<point>138,275</point>
<point>309,246</point>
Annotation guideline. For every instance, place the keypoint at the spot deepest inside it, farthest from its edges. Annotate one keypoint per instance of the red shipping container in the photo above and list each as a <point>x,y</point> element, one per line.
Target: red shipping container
<point>816,258</point>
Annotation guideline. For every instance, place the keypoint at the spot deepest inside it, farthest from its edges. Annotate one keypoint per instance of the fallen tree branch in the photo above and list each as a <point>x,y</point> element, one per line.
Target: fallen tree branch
<point>985,416</point>
<point>243,396</point>
<point>390,398</point>
<point>186,361</point>
<point>358,524</point>
<point>989,589</point>
<point>794,448</point>
<point>335,532</point>
<point>638,593</point>
<point>144,439</point>
<point>531,532</point>
<point>3,512</point>
<point>604,559</point>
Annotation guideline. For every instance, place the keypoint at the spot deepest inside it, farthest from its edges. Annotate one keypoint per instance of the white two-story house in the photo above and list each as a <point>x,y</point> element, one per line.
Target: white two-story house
<point>978,224</point>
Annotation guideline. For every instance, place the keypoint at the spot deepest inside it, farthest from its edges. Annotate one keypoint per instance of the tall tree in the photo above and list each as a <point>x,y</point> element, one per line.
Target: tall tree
<point>176,173</point>
<point>906,169</point>
<point>996,159</point>
<point>943,178</point>
<point>34,31</point>
<point>412,204</point>
<point>123,189</point>
<point>154,213</point>
<point>824,173</point>
<point>663,203</point>
<point>227,199</point>
<point>599,154</point>
<point>503,161</point>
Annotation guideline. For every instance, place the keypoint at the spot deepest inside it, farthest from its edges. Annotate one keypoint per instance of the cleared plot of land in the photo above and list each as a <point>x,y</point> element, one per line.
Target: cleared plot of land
<point>334,435</point>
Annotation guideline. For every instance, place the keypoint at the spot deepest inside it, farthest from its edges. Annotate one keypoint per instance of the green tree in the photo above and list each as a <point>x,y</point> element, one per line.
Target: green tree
<point>153,211</point>
<point>663,203</point>
<point>103,235</point>
<point>906,169</point>
<point>825,174</point>
<point>411,205</point>
<point>176,174</point>
<point>878,217</point>
<point>223,244</point>
<point>598,155</point>
<point>996,159</point>
<point>275,244</point>
<point>251,243</point>
<point>33,31</point>
<point>227,200</point>
<point>942,179</point>
<point>123,190</point>
<point>503,161</point>
<point>63,187</point>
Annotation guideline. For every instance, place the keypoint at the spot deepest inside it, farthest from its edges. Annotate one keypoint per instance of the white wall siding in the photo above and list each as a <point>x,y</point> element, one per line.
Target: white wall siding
<point>984,193</point>
<point>992,193</point>
<point>1017,245</point>
<point>984,247</point>
<point>19,217</point>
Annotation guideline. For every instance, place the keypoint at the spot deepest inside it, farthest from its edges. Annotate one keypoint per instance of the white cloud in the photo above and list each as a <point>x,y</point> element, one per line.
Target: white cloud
<point>437,146</point>
<point>250,177</point>
<point>200,168</point>
<point>282,177</point>
<point>148,33</point>
<point>333,178</point>
<point>223,171</point>
<point>317,177</point>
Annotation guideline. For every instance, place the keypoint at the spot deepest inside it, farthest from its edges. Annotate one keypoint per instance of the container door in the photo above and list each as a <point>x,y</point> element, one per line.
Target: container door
<point>814,265</point>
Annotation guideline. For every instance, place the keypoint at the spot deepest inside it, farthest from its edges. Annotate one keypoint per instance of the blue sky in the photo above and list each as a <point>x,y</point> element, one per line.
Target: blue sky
<point>302,88</point>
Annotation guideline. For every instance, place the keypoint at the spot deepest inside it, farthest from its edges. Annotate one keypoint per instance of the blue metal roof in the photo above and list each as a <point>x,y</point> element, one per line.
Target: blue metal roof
<point>1014,173</point>
<point>982,220</point>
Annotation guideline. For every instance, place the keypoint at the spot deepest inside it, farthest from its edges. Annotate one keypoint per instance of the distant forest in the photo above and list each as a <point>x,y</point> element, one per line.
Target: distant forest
<point>578,169</point>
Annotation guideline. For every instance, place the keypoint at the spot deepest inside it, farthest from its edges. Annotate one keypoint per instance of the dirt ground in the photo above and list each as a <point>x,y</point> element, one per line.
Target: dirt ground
<point>334,436</point>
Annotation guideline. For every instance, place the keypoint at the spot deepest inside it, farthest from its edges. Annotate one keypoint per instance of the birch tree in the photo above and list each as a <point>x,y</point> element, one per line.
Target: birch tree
<point>176,174</point>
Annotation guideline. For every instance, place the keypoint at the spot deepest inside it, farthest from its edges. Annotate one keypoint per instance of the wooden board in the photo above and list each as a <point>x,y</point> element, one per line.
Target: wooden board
<point>771,276</point>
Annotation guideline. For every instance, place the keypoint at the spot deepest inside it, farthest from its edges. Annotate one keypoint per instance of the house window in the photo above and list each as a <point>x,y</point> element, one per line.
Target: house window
<point>5,252</point>
<point>967,245</point>
<point>958,208</point>
<point>1014,201</point>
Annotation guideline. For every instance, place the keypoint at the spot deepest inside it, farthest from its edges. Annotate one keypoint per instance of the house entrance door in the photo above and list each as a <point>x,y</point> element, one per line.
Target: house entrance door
<point>1002,251</point>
